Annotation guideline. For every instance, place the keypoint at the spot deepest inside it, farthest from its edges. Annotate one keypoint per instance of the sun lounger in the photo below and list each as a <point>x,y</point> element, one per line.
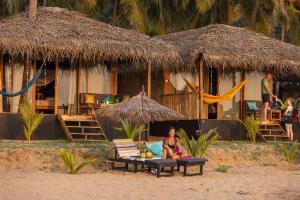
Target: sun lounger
<point>160,164</point>
<point>126,152</point>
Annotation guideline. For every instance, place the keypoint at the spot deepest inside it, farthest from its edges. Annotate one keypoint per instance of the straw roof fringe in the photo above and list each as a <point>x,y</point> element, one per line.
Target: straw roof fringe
<point>58,33</point>
<point>139,109</point>
<point>223,46</point>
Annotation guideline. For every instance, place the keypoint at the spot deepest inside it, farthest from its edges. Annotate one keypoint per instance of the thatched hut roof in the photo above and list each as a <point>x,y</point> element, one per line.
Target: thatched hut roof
<point>139,109</point>
<point>59,33</point>
<point>223,46</point>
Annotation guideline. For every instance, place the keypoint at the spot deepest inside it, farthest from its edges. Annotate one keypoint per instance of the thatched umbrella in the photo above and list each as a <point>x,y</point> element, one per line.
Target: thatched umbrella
<point>58,34</point>
<point>229,47</point>
<point>139,109</point>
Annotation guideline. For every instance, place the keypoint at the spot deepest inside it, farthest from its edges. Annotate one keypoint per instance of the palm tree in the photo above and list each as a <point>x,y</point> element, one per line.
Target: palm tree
<point>287,15</point>
<point>32,10</point>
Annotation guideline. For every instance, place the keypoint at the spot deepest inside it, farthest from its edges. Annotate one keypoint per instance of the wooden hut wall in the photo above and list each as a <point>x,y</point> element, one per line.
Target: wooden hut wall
<point>131,83</point>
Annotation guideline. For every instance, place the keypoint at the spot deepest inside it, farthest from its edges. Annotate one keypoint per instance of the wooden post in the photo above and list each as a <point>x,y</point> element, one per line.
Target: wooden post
<point>113,79</point>
<point>201,89</point>
<point>242,96</point>
<point>34,87</point>
<point>56,87</point>
<point>149,81</point>
<point>1,77</point>
<point>78,87</point>
<point>218,93</point>
<point>86,81</point>
<point>11,84</point>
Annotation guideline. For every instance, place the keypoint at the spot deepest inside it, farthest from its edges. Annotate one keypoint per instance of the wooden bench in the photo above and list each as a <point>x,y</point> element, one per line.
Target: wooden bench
<point>191,162</point>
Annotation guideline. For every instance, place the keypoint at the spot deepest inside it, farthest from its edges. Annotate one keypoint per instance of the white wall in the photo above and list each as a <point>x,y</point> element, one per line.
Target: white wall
<point>252,87</point>
<point>99,82</point>
<point>229,108</point>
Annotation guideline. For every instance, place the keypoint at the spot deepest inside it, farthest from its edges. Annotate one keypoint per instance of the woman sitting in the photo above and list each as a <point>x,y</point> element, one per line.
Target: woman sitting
<point>171,146</point>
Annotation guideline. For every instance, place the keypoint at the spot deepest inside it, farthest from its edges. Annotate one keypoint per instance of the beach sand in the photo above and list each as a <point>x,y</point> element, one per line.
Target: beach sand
<point>251,182</point>
<point>36,172</point>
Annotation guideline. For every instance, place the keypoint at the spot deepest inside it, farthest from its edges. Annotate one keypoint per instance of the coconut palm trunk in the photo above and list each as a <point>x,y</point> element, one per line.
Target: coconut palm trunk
<point>25,79</point>
<point>27,66</point>
<point>253,15</point>
<point>115,11</point>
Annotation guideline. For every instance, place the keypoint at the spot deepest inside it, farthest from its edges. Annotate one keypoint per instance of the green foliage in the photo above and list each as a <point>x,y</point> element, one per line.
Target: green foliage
<point>197,148</point>
<point>289,152</point>
<point>252,127</point>
<point>222,168</point>
<point>70,162</point>
<point>130,131</point>
<point>30,118</point>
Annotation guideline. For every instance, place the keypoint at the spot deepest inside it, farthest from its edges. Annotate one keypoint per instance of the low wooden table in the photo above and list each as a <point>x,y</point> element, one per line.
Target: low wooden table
<point>160,164</point>
<point>191,162</point>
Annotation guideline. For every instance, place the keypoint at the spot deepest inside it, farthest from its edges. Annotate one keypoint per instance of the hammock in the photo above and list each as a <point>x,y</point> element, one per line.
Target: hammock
<point>210,99</point>
<point>29,85</point>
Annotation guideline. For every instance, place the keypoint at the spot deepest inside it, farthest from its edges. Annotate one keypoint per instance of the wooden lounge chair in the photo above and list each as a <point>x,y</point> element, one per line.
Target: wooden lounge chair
<point>126,152</point>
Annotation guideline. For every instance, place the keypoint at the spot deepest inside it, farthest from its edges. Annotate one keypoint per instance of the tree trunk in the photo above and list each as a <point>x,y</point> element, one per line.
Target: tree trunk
<point>32,9</point>
<point>25,79</point>
<point>115,12</point>
<point>253,15</point>
<point>282,34</point>
<point>45,3</point>
<point>27,67</point>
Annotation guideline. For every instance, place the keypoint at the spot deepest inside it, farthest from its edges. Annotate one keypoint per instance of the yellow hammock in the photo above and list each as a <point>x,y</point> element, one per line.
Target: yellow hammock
<point>210,99</point>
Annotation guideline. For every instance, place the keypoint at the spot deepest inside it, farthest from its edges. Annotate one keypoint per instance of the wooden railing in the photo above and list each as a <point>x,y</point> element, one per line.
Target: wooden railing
<point>184,103</point>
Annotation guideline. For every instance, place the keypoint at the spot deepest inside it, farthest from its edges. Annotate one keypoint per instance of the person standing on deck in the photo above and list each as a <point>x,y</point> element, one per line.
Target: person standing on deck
<point>266,93</point>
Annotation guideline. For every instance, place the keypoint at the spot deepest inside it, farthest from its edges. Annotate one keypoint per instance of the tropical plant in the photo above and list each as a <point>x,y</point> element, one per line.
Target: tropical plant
<point>30,118</point>
<point>197,148</point>
<point>130,131</point>
<point>289,152</point>
<point>252,127</point>
<point>70,162</point>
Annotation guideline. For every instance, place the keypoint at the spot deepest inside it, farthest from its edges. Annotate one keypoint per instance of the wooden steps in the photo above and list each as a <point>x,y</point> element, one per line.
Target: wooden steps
<point>81,128</point>
<point>272,131</point>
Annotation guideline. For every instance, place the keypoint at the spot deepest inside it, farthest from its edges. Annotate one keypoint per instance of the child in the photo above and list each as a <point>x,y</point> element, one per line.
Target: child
<point>288,121</point>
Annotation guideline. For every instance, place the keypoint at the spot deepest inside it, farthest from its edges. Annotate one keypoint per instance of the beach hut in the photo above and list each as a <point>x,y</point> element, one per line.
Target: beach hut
<point>71,42</point>
<point>219,57</point>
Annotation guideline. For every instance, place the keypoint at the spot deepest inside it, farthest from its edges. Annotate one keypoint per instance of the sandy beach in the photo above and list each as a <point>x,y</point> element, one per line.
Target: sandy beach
<point>36,172</point>
<point>239,183</point>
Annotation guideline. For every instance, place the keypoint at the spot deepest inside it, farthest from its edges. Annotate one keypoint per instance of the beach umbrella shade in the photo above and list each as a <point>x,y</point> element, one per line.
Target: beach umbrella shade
<point>139,109</point>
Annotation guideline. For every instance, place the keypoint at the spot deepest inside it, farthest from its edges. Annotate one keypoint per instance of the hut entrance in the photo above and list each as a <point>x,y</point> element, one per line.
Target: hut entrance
<point>211,85</point>
<point>44,91</point>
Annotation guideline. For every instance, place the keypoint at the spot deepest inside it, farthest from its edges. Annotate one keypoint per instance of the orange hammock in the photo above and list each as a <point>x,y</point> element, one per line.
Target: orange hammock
<point>210,99</point>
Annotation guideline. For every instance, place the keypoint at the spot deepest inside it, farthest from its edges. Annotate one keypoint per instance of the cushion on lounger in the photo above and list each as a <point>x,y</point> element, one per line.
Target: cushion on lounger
<point>252,105</point>
<point>89,98</point>
<point>156,148</point>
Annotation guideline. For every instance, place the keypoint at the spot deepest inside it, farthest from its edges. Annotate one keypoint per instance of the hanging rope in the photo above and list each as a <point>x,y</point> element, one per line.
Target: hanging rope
<point>26,88</point>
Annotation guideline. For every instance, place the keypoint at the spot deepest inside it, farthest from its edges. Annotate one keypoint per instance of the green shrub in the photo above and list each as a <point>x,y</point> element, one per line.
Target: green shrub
<point>70,161</point>
<point>252,127</point>
<point>289,152</point>
<point>197,148</point>
<point>222,168</point>
<point>30,118</point>
<point>130,131</point>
